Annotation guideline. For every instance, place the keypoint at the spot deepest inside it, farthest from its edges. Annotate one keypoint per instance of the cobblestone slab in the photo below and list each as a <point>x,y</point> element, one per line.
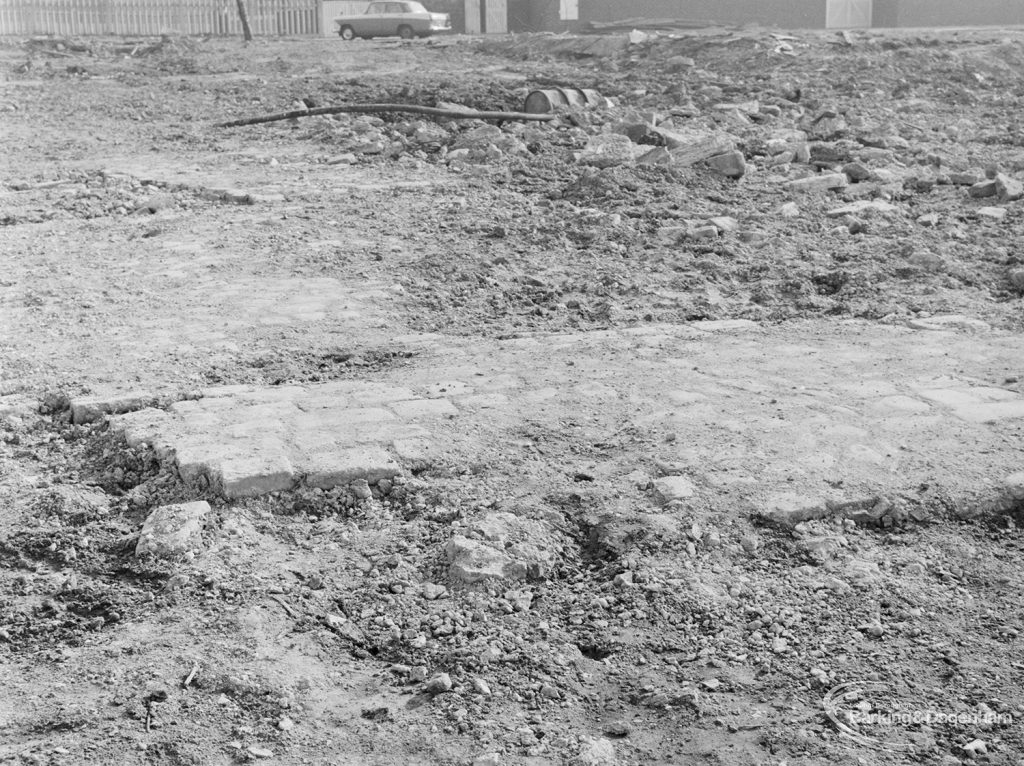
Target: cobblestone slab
<point>782,421</point>
<point>247,441</point>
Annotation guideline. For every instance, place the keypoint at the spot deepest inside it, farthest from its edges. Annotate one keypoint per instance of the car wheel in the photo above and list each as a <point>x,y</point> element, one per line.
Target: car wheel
<point>405,32</point>
<point>347,33</point>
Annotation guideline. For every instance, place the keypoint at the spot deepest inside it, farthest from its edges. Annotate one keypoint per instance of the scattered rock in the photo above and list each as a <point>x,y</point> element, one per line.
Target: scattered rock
<point>439,684</point>
<point>512,548</point>
<point>1008,189</point>
<point>789,210</point>
<point>93,408</point>
<point>173,530</point>
<point>818,183</point>
<point>595,751</point>
<point>950,322</point>
<point>992,213</point>
<point>731,164</point>
<point>725,223</point>
<point>975,747</point>
<point>860,207</point>
<point>619,728</point>
<point>156,203</point>
<point>856,171</point>
<point>608,150</point>
<point>432,592</point>
<point>703,232</point>
<point>688,147</point>
<point>670,488</point>
<point>986,188</point>
<point>615,534</point>
<point>1013,486</point>
<point>964,179</point>
<point>789,509</point>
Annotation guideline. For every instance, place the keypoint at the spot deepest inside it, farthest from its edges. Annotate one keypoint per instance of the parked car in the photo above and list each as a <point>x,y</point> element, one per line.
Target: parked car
<point>405,19</point>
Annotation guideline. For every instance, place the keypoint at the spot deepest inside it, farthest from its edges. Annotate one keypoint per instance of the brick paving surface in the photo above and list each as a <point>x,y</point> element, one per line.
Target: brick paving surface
<point>745,410</point>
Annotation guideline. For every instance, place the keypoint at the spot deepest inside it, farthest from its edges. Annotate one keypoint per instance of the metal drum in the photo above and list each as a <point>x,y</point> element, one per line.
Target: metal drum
<point>548,100</point>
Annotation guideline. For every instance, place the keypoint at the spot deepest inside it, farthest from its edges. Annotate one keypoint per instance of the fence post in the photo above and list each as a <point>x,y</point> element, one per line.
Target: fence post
<point>244,17</point>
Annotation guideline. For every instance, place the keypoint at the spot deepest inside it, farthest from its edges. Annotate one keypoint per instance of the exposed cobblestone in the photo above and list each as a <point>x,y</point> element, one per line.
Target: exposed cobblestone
<point>794,420</point>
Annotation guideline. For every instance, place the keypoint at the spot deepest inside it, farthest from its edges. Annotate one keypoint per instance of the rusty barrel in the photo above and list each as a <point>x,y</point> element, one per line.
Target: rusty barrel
<point>549,99</point>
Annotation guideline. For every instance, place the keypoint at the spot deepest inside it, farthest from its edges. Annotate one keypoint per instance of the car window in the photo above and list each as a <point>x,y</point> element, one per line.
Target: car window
<point>415,8</point>
<point>376,8</point>
<point>395,8</point>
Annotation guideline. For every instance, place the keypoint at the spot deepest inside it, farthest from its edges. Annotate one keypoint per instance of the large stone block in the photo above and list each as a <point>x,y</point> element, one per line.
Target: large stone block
<point>141,426</point>
<point>416,453</point>
<point>383,395</point>
<point>337,467</point>
<point>991,412</point>
<point>259,473</point>
<point>92,408</point>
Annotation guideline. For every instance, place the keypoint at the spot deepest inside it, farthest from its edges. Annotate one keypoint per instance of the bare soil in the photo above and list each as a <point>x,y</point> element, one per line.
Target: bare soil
<point>126,265</point>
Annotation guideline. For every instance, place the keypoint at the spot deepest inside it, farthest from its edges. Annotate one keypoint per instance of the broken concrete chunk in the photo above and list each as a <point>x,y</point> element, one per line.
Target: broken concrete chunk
<point>608,150</point>
<point>479,139</point>
<point>512,548</point>
<point>93,408</point>
<point>702,232</point>
<point>473,561</point>
<point>992,213</point>
<point>659,155</point>
<point>819,183</point>
<point>860,207</point>
<point>1008,189</point>
<point>173,530</point>
<point>595,751</point>
<point>724,223</point>
<point>986,188</point>
<point>502,527</point>
<point>616,534</point>
<point>669,488</point>
<point>950,322</point>
<point>856,171</point>
<point>875,154</point>
<point>731,164</point>
<point>964,179</point>
<point>690,147</point>
<point>789,509</point>
<point>833,151</point>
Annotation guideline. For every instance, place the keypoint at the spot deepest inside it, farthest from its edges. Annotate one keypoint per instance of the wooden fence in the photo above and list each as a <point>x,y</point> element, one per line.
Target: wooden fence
<point>157,17</point>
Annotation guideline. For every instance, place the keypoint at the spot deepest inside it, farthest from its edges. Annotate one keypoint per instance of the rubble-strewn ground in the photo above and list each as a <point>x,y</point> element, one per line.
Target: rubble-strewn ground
<point>543,443</point>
